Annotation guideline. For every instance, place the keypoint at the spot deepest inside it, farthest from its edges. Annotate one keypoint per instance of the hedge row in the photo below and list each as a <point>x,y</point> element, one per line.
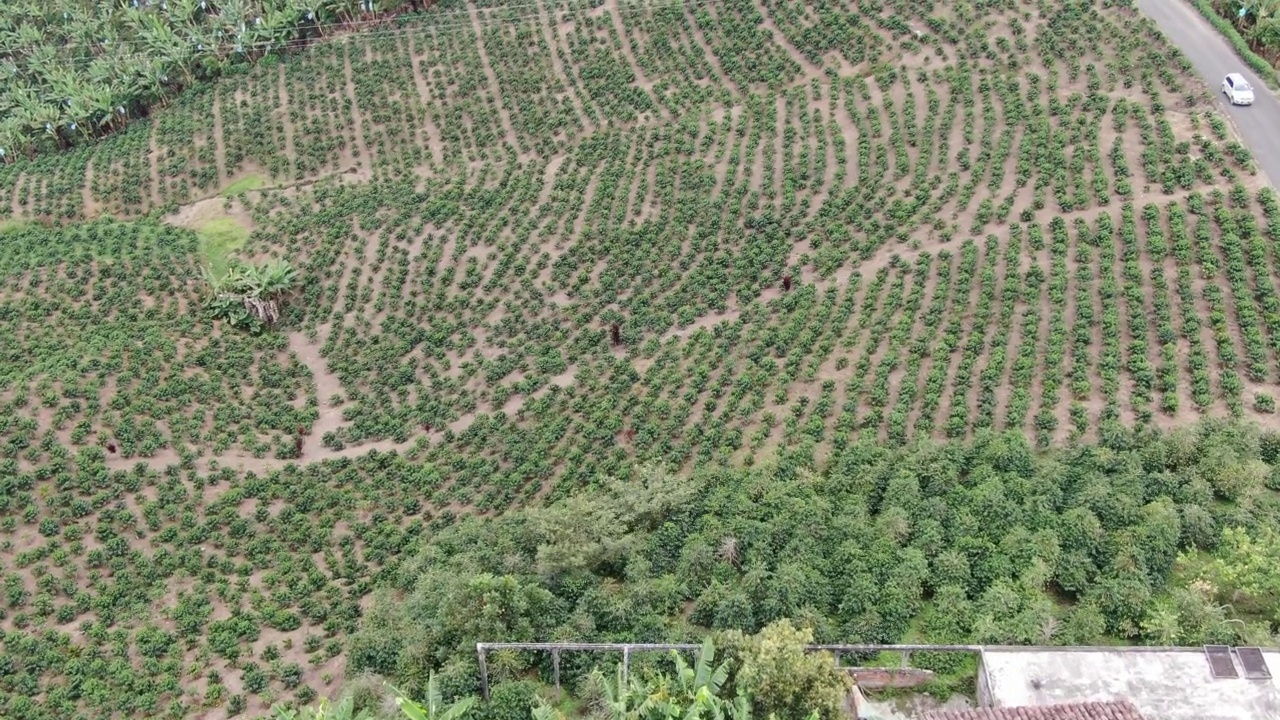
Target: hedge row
<point>1255,61</point>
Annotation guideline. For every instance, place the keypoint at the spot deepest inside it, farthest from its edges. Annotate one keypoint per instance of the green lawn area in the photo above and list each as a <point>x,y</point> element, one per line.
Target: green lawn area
<point>218,239</point>
<point>244,184</point>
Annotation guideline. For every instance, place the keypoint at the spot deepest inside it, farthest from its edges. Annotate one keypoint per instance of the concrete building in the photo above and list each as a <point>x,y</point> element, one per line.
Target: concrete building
<point>1161,683</point>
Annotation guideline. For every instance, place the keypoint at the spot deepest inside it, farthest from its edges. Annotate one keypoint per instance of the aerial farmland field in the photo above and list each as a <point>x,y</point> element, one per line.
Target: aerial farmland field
<point>539,244</point>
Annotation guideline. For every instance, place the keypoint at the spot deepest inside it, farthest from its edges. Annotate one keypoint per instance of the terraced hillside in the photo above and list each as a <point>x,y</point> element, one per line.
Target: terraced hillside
<point>541,242</point>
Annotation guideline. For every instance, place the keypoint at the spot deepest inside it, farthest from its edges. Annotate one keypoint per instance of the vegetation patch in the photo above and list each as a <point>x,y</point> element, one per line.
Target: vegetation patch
<point>1252,30</point>
<point>219,239</point>
<point>945,321</point>
<point>244,184</point>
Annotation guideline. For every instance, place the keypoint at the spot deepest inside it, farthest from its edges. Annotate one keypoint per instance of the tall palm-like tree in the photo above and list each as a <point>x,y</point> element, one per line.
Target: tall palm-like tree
<point>106,109</point>
<point>694,691</point>
<point>1264,32</point>
<point>14,139</point>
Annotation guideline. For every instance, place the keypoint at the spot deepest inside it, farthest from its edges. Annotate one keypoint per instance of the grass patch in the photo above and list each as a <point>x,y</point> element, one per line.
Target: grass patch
<point>11,225</point>
<point>244,184</point>
<point>218,239</point>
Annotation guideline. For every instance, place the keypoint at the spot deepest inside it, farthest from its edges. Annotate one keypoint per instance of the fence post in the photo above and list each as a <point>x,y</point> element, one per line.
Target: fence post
<point>555,664</point>
<point>484,673</point>
<point>626,662</point>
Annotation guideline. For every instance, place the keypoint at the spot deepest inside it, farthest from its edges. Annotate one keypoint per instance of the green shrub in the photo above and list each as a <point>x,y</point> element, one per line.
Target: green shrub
<point>509,701</point>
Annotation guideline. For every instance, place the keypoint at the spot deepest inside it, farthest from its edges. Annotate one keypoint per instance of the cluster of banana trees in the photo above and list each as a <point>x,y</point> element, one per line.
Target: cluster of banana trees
<point>435,708</point>
<point>71,70</point>
<point>692,692</point>
<point>251,297</point>
<point>1258,21</point>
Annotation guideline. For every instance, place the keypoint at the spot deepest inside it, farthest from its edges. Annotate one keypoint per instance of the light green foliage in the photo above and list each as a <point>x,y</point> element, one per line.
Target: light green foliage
<point>694,691</point>
<point>324,710</point>
<point>435,708</point>
<point>784,681</point>
<point>1190,616</point>
<point>244,184</point>
<point>589,533</point>
<point>432,708</point>
<point>1244,571</point>
<point>219,238</point>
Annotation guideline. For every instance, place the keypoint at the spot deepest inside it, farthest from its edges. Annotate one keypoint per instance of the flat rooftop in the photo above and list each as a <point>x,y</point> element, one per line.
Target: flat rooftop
<point>1164,683</point>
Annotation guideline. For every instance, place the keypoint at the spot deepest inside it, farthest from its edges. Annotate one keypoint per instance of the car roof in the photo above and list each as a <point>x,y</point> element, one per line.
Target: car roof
<point>1235,76</point>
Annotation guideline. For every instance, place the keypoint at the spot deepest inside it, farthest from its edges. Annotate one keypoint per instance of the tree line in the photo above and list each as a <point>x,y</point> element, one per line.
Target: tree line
<point>1258,22</point>
<point>1144,537</point>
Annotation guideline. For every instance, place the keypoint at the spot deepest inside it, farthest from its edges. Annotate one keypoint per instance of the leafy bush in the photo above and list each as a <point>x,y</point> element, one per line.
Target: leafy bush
<point>509,701</point>
<point>782,679</point>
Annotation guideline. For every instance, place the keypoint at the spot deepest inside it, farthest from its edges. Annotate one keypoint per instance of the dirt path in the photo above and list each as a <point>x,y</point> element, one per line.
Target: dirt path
<point>219,148</point>
<point>808,69</point>
<point>922,333</point>
<point>723,149</point>
<point>624,45</point>
<point>555,43</point>
<point>327,385</point>
<point>91,206</point>
<point>429,134</point>
<point>642,149</point>
<point>755,156</point>
<point>153,155</point>
<point>549,180</point>
<point>781,118</point>
<point>1007,326</point>
<point>556,227</point>
<point>825,129</point>
<point>848,132</point>
<point>507,128</point>
<point>712,58</point>
<point>285,121</point>
<point>357,122</point>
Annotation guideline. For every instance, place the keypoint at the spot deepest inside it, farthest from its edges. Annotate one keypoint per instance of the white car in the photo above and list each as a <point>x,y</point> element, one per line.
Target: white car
<point>1237,89</point>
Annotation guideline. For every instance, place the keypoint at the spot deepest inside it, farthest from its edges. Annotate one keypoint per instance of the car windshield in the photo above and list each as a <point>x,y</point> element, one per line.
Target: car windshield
<point>1241,85</point>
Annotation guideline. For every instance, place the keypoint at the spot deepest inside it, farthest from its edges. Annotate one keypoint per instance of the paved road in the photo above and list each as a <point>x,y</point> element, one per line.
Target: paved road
<point>1212,57</point>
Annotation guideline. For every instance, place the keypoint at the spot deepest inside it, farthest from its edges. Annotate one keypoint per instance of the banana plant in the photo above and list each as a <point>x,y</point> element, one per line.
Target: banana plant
<point>343,710</point>
<point>693,693</point>
<point>251,296</point>
<point>435,707</point>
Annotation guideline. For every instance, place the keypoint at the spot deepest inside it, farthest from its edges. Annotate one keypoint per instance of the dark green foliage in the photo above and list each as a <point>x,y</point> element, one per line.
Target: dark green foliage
<point>976,542</point>
<point>539,250</point>
<point>508,701</point>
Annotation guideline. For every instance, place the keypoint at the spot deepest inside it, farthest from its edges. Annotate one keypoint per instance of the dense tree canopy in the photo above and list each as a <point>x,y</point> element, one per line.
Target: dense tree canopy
<point>984,541</point>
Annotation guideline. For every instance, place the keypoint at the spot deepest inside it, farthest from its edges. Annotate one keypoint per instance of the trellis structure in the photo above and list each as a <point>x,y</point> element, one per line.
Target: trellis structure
<point>555,648</point>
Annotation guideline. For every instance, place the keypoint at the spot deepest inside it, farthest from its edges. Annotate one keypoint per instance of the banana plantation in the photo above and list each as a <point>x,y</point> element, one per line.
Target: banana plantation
<point>76,69</point>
